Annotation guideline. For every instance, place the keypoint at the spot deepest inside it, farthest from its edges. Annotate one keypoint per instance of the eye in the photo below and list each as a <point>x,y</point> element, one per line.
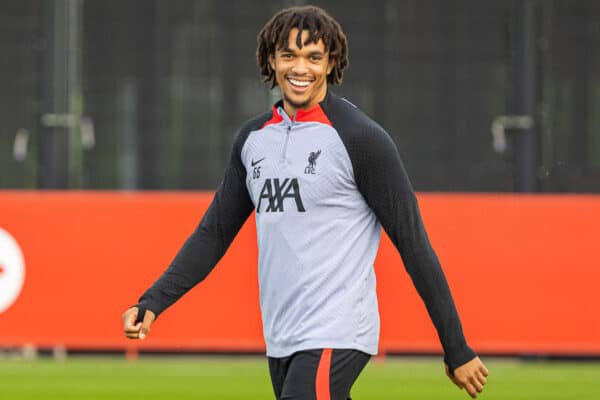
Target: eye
<point>287,56</point>
<point>316,57</point>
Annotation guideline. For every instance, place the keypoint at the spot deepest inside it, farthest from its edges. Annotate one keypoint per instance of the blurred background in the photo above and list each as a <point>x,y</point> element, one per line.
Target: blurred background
<point>148,94</point>
<point>131,100</point>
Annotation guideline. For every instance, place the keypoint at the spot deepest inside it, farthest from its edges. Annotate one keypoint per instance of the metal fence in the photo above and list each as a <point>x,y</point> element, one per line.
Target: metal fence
<point>148,94</point>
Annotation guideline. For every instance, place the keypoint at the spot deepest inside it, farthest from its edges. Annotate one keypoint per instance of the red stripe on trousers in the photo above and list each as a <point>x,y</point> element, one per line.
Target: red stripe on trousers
<point>322,381</point>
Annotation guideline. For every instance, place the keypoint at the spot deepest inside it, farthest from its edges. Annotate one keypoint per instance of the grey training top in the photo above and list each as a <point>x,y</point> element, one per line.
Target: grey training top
<point>322,185</point>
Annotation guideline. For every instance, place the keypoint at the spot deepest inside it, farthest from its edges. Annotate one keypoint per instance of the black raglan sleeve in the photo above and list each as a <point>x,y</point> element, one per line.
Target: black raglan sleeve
<point>383,182</point>
<point>226,214</point>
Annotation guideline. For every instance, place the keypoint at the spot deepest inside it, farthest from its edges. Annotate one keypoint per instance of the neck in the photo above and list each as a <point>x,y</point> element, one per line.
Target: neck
<point>290,108</point>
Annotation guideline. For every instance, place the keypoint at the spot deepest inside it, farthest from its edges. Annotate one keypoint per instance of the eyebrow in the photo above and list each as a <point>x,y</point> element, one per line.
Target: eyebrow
<point>312,53</point>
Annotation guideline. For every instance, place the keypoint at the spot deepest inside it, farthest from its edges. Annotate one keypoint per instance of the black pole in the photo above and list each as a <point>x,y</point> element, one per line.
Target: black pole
<point>524,93</point>
<point>153,57</point>
<point>53,141</point>
<point>228,14</point>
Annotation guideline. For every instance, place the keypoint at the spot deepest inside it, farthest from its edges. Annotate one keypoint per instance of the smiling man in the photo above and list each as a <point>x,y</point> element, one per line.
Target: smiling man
<point>301,69</point>
<point>323,179</point>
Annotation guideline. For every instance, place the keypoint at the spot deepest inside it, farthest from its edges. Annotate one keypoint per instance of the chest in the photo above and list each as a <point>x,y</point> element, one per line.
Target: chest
<point>296,168</point>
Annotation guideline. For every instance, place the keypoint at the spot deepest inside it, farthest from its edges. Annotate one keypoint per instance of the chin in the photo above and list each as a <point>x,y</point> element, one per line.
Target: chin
<point>300,103</point>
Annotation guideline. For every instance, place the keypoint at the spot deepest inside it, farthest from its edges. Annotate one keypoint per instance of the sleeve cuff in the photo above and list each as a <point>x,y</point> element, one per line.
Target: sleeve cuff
<point>458,357</point>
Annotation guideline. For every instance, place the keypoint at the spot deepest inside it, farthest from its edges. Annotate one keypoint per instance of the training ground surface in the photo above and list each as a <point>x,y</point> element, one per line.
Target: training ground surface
<point>219,378</point>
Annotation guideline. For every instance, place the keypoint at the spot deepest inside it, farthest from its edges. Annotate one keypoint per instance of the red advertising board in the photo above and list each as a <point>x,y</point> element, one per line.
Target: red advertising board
<point>523,270</point>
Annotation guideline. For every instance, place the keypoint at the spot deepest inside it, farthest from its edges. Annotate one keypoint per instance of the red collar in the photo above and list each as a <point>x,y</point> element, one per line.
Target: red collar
<point>313,114</point>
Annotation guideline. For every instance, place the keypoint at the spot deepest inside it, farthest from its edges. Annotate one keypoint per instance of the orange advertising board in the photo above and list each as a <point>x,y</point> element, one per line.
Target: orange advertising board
<point>523,270</point>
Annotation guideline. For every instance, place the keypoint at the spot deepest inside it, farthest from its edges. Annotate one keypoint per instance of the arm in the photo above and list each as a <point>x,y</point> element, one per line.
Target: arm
<point>228,211</point>
<point>382,180</point>
<point>226,214</point>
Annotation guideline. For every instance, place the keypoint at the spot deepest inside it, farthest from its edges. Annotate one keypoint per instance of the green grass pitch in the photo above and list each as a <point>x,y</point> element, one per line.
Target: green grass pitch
<point>220,378</point>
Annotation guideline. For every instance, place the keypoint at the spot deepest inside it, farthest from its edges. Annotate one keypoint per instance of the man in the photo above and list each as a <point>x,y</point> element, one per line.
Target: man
<point>323,179</point>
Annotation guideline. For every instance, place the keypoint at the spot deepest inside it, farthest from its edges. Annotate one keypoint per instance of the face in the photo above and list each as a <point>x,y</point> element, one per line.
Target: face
<point>301,73</point>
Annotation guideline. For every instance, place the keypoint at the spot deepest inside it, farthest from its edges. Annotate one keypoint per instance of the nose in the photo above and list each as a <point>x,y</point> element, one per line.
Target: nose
<point>300,66</point>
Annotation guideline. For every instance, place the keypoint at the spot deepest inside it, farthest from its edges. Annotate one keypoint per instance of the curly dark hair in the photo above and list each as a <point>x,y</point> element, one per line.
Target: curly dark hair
<point>320,25</point>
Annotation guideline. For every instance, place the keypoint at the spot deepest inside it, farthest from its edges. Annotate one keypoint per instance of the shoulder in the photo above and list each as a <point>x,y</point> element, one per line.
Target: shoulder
<point>256,122</point>
<point>344,115</point>
<point>358,131</point>
<point>249,126</point>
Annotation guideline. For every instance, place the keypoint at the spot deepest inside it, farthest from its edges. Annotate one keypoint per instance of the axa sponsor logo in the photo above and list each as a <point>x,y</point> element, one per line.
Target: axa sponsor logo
<point>275,192</point>
<point>12,270</point>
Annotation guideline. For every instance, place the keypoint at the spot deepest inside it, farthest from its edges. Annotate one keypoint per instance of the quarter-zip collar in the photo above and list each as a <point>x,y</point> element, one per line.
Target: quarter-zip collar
<point>313,114</point>
<point>285,117</point>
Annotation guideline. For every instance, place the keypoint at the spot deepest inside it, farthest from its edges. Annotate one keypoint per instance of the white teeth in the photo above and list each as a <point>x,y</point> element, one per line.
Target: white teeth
<point>299,83</point>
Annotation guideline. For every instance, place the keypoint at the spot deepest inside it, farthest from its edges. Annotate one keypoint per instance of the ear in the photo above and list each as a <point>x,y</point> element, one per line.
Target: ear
<point>330,65</point>
<point>272,61</point>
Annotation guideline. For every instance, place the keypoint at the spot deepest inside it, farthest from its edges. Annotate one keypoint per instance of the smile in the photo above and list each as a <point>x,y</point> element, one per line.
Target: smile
<point>298,83</point>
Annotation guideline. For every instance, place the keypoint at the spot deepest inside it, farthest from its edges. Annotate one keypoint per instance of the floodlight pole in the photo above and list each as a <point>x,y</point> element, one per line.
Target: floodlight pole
<point>59,155</point>
<point>524,94</point>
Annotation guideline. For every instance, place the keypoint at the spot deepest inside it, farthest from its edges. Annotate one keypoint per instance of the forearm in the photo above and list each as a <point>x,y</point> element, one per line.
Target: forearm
<point>429,280</point>
<point>422,264</point>
<point>193,263</point>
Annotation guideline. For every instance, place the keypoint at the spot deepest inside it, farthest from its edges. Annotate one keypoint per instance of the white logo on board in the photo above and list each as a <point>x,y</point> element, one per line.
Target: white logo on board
<point>12,270</point>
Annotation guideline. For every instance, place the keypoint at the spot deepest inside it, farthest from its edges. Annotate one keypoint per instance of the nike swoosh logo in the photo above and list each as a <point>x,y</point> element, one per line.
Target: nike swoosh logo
<point>256,162</point>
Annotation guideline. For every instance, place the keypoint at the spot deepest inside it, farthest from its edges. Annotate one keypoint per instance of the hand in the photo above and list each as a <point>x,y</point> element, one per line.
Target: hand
<point>139,330</point>
<point>470,376</point>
